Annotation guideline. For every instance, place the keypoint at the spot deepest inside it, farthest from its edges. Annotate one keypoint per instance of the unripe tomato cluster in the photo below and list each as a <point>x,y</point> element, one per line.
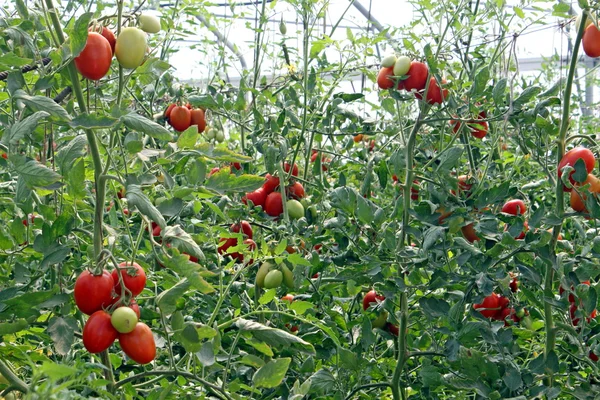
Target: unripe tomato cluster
<point>271,276</point>
<point>182,117</point>
<point>130,48</point>
<point>97,295</point>
<point>269,195</point>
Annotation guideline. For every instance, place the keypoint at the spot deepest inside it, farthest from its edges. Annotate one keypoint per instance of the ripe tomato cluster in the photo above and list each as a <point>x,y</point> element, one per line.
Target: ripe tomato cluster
<point>249,244</point>
<point>182,117</point>
<point>114,313</point>
<point>496,307</point>
<point>269,196</point>
<point>381,322</point>
<point>130,48</point>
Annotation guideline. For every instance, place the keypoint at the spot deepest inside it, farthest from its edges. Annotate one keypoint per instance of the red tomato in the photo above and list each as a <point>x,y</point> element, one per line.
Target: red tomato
<point>236,165</point>
<point>296,191</point>
<point>414,190</point>
<point>478,129</point>
<point>591,41</point>
<point>417,76</point>
<point>490,303</point>
<point>371,297</point>
<point>225,244</point>
<point>180,118</point>
<point>244,226</point>
<point>288,297</point>
<point>5,156</point>
<point>139,344</point>
<point>271,183</point>
<point>394,329</point>
<point>198,118</point>
<point>121,193</point>
<point>169,110</point>
<point>156,229</point>
<point>286,168</point>
<point>571,157</point>
<point>257,197</point>
<point>30,217</point>
<point>134,278</point>
<point>213,171</point>
<point>108,35</point>
<point>358,138</point>
<point>274,204</point>
<point>98,332</point>
<point>324,160</point>
<point>514,285</point>
<point>593,356</point>
<point>469,233</point>
<point>93,292</point>
<point>384,80</point>
<point>514,207</point>
<point>435,94</point>
<point>94,61</point>
<point>250,245</point>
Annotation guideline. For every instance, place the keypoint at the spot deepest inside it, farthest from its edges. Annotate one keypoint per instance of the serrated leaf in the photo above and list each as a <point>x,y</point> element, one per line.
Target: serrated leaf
<point>34,174</point>
<point>22,128</point>
<point>322,381</point>
<point>188,138</point>
<point>79,34</point>
<point>527,95</point>
<point>272,373</point>
<point>62,331</point>
<point>142,124</point>
<point>449,159</point>
<point>431,236</point>
<point>93,121</point>
<point>274,337</point>
<point>224,181</point>
<point>66,156</point>
<point>221,153</point>
<point>41,103</point>
<point>167,300</point>
<point>300,307</point>
<point>203,101</point>
<point>136,198</point>
<point>57,372</point>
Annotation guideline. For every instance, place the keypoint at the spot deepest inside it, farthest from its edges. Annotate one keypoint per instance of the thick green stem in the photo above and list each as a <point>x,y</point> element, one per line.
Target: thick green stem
<point>402,348</point>
<point>560,200</point>
<point>13,379</point>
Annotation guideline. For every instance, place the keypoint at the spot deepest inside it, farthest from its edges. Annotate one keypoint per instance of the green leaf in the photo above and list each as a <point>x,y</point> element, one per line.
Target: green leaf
<point>57,372</point>
<point>203,101</point>
<point>498,92</point>
<point>519,12</point>
<point>274,337</point>
<point>34,174</point>
<point>449,159</point>
<point>73,150</point>
<point>55,254</point>
<point>93,121</point>
<point>322,381</point>
<point>224,181</point>
<point>526,96</point>
<point>300,307</point>
<point>10,60</point>
<point>23,128</point>
<point>62,331</point>
<point>136,198</point>
<point>167,300</point>
<point>434,307</point>
<point>221,153</point>
<point>348,97</point>
<point>194,272</point>
<point>9,328</point>
<point>187,139</point>
<point>142,124</point>
<point>41,103</point>
<point>79,34</point>
<point>272,373</point>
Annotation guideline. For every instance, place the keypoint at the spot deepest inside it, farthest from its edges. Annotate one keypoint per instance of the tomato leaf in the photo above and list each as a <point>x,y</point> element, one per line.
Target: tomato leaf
<point>74,149</point>
<point>42,103</point>
<point>136,198</point>
<point>93,121</point>
<point>10,328</point>
<point>274,337</point>
<point>187,139</point>
<point>22,128</point>
<point>221,153</point>
<point>62,331</point>
<point>78,36</point>
<point>223,181</point>
<point>140,123</point>
<point>203,101</point>
<point>167,300</point>
<point>434,307</point>
<point>322,381</point>
<point>449,159</point>
<point>272,373</point>
<point>498,92</point>
<point>34,174</point>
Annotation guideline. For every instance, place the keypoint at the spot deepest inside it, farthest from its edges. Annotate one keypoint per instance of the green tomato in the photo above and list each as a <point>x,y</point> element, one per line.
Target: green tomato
<point>380,320</point>
<point>389,61</point>
<point>124,319</point>
<point>295,209</point>
<point>401,66</point>
<point>149,23</point>
<point>220,136</point>
<point>273,279</point>
<point>131,47</point>
<point>262,273</point>
<point>209,133</point>
<point>288,276</point>
<point>305,202</point>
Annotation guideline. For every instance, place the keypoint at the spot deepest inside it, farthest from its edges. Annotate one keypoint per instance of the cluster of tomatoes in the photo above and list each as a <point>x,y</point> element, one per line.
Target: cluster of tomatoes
<point>182,117</point>
<point>324,159</point>
<point>225,243</point>
<point>109,300</point>
<point>381,322</point>
<point>130,48</point>
<point>496,307</point>
<point>574,305</point>
<point>269,196</point>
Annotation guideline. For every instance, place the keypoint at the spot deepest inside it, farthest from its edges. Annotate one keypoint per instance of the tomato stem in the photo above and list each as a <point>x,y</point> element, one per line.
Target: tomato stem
<point>12,378</point>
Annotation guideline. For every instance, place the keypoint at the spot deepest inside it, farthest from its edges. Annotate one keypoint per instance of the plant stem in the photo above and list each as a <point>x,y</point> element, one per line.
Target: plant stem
<point>402,345</point>
<point>13,379</point>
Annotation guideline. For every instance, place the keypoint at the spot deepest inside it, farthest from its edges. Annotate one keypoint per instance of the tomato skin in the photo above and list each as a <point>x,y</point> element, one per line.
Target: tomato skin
<point>98,332</point>
<point>244,226</point>
<point>180,118</point>
<point>94,61</point>
<point>131,47</point>
<point>578,197</point>
<point>571,157</point>
<point>478,129</point>
<point>490,302</point>
<point>274,204</point>
<point>514,207</point>
<point>371,297</point>
<point>384,80</point>
<point>139,344</point>
<point>271,183</point>
<point>593,356</point>
<point>514,285</point>
<point>288,297</point>
<point>250,245</point>
<point>198,119</point>
<point>258,197</point>
<point>435,94</point>
<point>394,329</point>
<point>92,292</point>
<point>417,76</point>
<point>469,233</point>
<point>286,168</point>
<point>169,109</point>
<point>108,35</point>
<point>358,138</point>
<point>296,191</point>
<point>135,283</point>
<point>591,41</point>
<point>225,244</point>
